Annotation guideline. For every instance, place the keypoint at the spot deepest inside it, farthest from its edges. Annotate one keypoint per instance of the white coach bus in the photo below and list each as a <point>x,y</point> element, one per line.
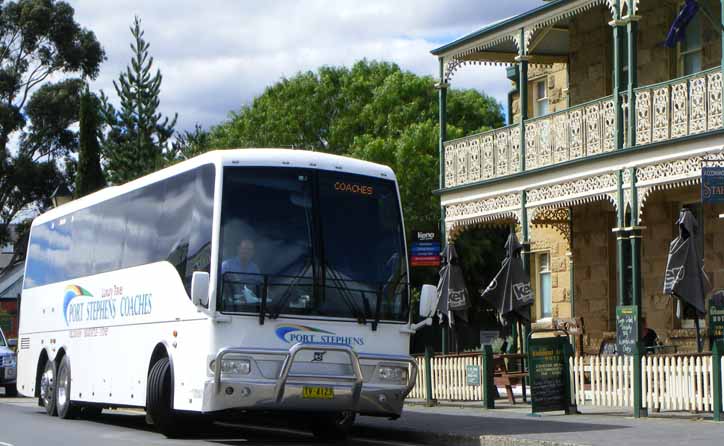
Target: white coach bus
<point>258,279</point>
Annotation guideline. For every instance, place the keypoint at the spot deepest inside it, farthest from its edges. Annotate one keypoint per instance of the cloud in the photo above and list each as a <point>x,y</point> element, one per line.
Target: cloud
<point>219,54</point>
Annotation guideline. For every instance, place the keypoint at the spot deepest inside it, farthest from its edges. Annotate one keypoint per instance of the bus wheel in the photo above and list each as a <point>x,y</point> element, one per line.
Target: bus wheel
<point>333,427</point>
<point>47,388</point>
<point>158,399</point>
<point>66,408</point>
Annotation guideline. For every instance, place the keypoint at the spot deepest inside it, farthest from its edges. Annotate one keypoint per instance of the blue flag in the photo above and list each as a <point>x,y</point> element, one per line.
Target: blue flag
<point>678,28</point>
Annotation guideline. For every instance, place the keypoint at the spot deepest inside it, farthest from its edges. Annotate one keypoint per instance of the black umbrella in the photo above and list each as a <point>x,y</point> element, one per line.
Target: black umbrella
<point>685,277</point>
<point>510,292</point>
<point>452,295</point>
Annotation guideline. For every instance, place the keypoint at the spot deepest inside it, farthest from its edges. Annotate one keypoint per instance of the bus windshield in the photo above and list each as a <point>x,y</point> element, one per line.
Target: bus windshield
<point>311,243</point>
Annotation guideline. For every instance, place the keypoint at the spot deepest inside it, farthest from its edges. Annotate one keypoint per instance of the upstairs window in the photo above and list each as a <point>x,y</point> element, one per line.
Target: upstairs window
<point>689,59</point>
<point>544,288</point>
<point>540,96</point>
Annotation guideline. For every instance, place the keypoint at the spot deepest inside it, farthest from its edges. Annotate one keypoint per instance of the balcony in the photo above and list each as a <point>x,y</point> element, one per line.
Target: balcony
<point>664,112</point>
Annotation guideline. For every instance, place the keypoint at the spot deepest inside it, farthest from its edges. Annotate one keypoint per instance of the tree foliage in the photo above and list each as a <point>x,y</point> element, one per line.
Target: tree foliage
<point>89,176</point>
<point>136,143</point>
<point>38,39</point>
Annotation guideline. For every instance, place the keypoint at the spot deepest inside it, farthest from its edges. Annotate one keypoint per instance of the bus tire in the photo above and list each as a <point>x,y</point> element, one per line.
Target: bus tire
<point>47,388</point>
<point>66,408</point>
<point>158,399</point>
<point>333,427</point>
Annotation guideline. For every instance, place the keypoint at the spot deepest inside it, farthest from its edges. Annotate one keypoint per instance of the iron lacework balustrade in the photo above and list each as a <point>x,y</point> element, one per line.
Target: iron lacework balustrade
<point>666,111</point>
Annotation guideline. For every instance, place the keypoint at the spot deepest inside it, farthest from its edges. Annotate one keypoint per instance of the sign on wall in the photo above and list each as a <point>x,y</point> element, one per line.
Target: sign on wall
<point>425,249</point>
<point>712,184</point>
<point>472,375</point>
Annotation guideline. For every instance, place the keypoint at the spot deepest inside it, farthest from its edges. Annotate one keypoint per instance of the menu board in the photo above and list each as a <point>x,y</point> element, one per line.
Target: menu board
<point>547,369</point>
<point>627,329</point>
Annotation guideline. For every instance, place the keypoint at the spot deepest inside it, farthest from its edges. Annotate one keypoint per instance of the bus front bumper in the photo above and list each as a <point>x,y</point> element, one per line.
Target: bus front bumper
<point>310,392</point>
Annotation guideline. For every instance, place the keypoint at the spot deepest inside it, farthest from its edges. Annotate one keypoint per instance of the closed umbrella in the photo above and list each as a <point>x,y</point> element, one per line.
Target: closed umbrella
<point>453,301</point>
<point>685,277</point>
<point>509,292</point>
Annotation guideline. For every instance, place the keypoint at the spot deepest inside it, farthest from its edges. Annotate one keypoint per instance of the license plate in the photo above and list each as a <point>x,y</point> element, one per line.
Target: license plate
<point>317,393</point>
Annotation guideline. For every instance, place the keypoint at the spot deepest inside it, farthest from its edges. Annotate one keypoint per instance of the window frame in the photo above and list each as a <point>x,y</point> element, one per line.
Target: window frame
<point>681,53</point>
<point>539,294</point>
<point>537,99</point>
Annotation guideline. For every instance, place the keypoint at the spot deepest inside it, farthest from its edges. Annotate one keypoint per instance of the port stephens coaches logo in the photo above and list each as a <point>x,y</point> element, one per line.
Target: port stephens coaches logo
<point>293,333</point>
<point>80,305</point>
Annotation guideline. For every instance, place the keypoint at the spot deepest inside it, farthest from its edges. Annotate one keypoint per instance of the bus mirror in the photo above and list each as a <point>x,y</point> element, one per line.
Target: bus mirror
<point>428,298</point>
<point>200,288</point>
<point>12,343</point>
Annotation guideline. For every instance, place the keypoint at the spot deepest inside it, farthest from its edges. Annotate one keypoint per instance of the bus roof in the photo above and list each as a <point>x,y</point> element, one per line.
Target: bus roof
<point>231,157</point>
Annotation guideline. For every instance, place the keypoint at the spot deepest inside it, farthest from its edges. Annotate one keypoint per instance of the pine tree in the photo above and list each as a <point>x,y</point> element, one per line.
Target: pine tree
<point>89,177</point>
<point>138,135</point>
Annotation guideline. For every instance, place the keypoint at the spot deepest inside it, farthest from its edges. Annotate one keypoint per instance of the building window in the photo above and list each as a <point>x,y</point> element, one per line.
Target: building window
<point>541,98</point>
<point>544,288</point>
<point>690,50</point>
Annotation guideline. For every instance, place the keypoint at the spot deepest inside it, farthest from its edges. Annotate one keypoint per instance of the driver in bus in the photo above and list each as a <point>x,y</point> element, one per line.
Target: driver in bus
<point>243,284</point>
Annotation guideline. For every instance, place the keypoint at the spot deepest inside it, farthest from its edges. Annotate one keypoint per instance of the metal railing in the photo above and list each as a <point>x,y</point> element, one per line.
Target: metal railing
<point>681,107</point>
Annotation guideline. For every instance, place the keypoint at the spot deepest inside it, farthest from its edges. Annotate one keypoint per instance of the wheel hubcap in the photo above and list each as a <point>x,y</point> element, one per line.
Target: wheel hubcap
<point>63,382</point>
<point>47,382</point>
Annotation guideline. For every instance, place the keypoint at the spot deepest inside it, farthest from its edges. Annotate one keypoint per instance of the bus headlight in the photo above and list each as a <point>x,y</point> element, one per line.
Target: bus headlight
<point>392,374</point>
<point>233,366</point>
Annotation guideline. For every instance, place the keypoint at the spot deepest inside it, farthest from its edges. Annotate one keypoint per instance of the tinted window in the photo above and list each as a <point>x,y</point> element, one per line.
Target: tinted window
<point>311,244</point>
<point>169,220</point>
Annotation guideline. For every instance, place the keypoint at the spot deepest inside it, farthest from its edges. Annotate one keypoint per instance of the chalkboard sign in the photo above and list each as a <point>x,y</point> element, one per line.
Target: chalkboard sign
<point>627,329</point>
<point>472,375</point>
<point>548,374</point>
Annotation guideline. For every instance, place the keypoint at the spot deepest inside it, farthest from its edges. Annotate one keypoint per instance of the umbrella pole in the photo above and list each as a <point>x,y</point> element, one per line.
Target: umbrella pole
<point>698,335</point>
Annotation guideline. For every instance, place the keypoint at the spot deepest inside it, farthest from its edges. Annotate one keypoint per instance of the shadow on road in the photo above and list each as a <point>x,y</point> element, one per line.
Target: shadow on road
<point>421,425</point>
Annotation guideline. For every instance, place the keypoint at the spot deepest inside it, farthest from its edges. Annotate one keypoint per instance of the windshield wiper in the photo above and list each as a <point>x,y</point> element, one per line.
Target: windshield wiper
<point>284,300</point>
<point>347,297</point>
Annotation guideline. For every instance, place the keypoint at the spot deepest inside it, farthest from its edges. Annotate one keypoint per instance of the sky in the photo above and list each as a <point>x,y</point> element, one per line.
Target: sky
<point>217,55</point>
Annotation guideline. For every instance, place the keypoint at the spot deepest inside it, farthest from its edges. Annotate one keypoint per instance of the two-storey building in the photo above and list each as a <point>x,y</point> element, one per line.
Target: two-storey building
<point>610,129</point>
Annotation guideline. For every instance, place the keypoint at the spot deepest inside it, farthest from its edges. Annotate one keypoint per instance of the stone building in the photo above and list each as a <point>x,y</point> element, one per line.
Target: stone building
<point>595,169</point>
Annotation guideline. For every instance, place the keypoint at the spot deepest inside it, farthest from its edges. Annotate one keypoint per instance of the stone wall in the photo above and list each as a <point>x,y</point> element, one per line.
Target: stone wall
<point>590,55</point>
<point>548,239</point>
<point>594,255</point>
<point>557,85</point>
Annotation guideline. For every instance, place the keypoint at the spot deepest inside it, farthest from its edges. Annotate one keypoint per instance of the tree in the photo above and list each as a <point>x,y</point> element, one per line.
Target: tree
<point>373,111</point>
<point>89,177</point>
<point>38,39</point>
<point>136,143</point>
<point>189,144</point>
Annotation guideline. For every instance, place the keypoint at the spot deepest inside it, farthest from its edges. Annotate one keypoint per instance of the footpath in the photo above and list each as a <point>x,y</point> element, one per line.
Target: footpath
<point>468,424</point>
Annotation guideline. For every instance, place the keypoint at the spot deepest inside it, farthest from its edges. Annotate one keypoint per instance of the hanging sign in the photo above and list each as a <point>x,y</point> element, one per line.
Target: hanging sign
<point>712,184</point>
<point>472,375</point>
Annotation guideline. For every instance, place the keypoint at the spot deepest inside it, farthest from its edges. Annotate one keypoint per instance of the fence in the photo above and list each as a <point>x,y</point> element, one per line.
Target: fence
<point>668,382</point>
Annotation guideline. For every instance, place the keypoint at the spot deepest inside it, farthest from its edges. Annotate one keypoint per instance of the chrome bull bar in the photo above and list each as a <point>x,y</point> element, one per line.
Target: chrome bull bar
<point>356,379</point>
